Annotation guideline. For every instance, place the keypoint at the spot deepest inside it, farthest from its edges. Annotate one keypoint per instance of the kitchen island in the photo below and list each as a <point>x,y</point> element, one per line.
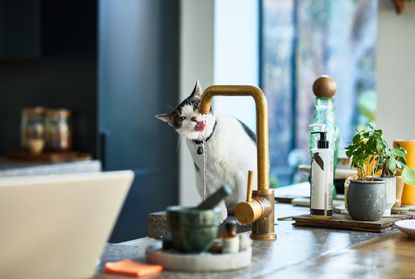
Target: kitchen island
<point>303,253</point>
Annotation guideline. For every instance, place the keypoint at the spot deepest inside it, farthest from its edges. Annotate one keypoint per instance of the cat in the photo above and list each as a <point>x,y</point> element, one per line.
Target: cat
<point>230,148</point>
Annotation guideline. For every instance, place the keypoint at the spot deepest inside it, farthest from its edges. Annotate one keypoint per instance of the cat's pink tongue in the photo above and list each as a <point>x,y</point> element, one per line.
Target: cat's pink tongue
<point>200,126</point>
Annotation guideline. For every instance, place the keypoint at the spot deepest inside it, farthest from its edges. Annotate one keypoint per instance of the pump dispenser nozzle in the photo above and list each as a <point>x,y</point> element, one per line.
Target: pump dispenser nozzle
<point>322,142</point>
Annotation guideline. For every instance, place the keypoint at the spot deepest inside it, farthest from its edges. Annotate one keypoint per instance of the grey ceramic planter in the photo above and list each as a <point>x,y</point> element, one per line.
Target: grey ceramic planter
<point>366,199</point>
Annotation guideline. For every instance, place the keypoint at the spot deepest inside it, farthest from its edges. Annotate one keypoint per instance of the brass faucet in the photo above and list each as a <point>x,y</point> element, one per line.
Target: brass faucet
<point>258,210</point>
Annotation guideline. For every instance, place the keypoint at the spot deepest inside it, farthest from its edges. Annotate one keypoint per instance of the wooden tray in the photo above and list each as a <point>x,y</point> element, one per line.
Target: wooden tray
<point>203,262</point>
<point>344,222</point>
<point>48,157</point>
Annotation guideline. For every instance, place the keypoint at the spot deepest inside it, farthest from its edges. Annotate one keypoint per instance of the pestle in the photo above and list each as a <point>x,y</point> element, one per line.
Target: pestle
<point>213,200</point>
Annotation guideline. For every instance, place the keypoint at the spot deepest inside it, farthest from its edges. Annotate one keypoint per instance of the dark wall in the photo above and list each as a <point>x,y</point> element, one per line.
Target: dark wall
<point>20,28</point>
<point>138,76</point>
<point>62,72</point>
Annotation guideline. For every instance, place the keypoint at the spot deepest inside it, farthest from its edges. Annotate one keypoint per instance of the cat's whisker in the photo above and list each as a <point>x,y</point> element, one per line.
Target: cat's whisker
<point>178,143</point>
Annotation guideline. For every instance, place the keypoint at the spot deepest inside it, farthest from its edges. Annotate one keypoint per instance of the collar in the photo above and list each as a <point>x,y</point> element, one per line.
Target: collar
<point>208,138</point>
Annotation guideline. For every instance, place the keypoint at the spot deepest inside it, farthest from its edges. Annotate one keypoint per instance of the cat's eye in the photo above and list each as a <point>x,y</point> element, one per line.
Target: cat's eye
<point>181,118</point>
<point>195,106</point>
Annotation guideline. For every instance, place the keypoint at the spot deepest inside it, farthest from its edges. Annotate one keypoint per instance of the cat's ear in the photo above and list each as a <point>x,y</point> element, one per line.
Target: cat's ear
<point>197,91</point>
<point>166,117</point>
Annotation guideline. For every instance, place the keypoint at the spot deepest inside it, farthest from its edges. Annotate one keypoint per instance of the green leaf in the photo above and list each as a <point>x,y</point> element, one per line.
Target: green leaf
<point>379,148</point>
<point>408,176</point>
<point>399,165</point>
<point>356,139</point>
<point>392,164</point>
<point>397,152</point>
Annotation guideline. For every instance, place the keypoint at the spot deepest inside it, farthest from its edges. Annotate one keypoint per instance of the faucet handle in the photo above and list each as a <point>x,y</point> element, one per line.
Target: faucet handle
<point>249,191</point>
<point>251,210</point>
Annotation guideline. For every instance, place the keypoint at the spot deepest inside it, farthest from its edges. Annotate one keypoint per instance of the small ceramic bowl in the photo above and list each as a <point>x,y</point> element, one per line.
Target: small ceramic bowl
<point>406,226</point>
<point>192,230</point>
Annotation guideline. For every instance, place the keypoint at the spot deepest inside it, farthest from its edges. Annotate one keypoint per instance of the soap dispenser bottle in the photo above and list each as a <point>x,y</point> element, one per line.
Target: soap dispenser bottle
<point>321,205</point>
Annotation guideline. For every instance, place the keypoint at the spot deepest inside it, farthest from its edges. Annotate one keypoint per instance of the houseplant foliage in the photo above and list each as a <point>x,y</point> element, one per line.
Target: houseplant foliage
<point>368,197</point>
<point>371,155</point>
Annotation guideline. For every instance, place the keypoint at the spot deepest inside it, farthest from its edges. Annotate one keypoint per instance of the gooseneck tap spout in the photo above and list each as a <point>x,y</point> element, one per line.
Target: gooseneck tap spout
<point>260,209</point>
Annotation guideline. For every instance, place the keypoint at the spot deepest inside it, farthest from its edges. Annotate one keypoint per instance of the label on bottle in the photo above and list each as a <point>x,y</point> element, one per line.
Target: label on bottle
<point>322,182</point>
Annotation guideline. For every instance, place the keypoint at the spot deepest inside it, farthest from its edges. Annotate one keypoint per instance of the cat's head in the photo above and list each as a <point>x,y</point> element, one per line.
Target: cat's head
<point>186,118</point>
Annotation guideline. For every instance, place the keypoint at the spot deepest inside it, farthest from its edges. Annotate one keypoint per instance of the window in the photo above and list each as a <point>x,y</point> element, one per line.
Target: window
<point>301,40</point>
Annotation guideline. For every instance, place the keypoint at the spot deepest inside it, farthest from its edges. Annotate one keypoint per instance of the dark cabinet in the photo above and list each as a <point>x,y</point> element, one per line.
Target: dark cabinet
<point>115,64</point>
<point>20,36</point>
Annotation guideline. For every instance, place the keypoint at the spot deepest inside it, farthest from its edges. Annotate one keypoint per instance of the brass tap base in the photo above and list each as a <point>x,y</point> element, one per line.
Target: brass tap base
<point>265,237</point>
<point>264,228</point>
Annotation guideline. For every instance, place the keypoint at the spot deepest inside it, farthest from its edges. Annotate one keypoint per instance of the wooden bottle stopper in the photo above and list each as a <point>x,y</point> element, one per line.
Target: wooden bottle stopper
<point>324,87</point>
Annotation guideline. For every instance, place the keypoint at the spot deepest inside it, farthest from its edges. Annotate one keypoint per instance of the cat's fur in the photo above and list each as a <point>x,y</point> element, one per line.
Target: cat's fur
<point>231,148</point>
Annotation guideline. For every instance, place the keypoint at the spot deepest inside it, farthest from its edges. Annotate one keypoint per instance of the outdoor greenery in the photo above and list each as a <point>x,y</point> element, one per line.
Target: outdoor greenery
<point>371,155</point>
<point>299,41</point>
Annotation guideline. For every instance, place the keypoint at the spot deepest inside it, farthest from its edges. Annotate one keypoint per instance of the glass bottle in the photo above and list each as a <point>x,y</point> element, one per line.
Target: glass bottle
<point>230,241</point>
<point>58,133</point>
<point>324,118</point>
<point>230,228</point>
<point>32,126</point>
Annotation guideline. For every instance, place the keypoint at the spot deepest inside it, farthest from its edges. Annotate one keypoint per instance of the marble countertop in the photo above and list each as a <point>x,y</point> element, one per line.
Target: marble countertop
<point>296,253</point>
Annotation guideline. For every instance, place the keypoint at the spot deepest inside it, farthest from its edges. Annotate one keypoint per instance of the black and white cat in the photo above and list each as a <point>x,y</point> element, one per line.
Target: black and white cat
<point>230,148</point>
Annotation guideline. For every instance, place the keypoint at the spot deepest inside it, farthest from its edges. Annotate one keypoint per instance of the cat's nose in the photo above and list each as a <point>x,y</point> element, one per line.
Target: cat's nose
<point>194,119</point>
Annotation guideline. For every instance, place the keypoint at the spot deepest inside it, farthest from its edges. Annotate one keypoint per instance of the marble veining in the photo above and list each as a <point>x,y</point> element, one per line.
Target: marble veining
<point>293,246</point>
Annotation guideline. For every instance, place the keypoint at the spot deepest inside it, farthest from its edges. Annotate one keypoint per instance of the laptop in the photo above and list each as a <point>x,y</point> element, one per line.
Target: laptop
<point>57,226</point>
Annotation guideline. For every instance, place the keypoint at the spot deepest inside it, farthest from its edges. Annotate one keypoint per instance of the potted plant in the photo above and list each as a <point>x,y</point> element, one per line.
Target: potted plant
<point>392,164</point>
<point>372,156</point>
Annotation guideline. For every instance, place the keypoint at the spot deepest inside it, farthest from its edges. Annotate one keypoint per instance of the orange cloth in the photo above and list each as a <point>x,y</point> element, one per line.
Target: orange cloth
<point>132,268</point>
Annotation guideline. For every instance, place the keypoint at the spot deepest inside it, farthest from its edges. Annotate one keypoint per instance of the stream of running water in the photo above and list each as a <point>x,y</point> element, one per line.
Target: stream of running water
<point>204,163</point>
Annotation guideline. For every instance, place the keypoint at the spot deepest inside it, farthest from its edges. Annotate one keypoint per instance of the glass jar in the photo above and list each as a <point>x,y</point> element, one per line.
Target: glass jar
<point>58,133</point>
<point>32,126</point>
